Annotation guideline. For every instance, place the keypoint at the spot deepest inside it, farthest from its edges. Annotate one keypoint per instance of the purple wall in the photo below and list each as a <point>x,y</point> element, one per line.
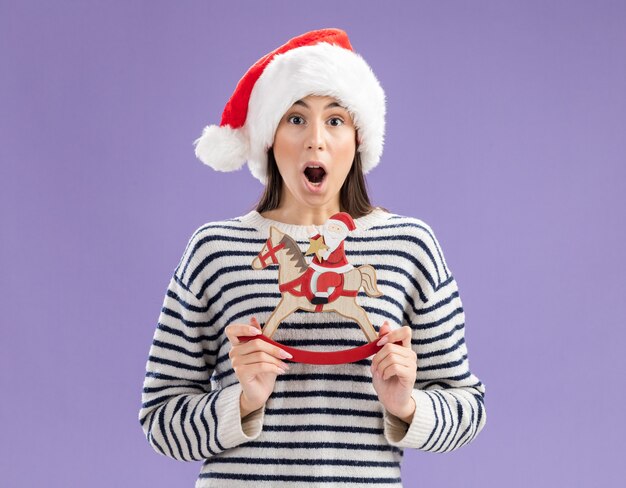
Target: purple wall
<point>506,133</point>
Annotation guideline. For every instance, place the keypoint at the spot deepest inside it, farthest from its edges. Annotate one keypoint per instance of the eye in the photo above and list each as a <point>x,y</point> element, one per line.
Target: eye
<point>335,121</point>
<point>295,119</point>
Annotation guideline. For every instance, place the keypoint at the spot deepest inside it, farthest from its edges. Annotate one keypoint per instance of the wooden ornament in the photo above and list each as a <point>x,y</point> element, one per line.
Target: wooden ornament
<point>328,284</point>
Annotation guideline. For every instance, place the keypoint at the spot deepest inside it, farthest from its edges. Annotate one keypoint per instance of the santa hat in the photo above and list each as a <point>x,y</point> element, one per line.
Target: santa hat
<point>321,63</point>
<point>344,220</point>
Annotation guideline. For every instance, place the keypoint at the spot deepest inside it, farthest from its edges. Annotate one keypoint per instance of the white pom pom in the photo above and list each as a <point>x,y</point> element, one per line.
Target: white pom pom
<point>222,148</point>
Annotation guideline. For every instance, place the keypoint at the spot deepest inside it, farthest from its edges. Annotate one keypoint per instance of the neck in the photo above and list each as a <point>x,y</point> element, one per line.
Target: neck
<point>301,217</point>
<point>296,213</point>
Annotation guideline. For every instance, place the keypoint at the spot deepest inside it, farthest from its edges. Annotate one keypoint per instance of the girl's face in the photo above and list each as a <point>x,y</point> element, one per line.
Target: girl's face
<point>314,148</point>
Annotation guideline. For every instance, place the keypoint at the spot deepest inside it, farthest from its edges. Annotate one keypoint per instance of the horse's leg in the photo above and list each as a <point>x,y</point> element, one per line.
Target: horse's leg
<point>272,323</point>
<point>348,307</point>
<point>284,308</point>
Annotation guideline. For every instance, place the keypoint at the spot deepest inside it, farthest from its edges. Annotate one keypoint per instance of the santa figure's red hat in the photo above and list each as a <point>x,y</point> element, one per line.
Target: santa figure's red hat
<point>344,220</point>
<point>321,63</point>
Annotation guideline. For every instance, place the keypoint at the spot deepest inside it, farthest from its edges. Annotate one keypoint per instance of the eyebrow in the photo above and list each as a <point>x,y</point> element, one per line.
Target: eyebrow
<point>330,105</point>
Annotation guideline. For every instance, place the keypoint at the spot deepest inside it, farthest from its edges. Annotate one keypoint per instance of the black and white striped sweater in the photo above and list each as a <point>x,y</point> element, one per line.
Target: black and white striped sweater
<point>323,425</point>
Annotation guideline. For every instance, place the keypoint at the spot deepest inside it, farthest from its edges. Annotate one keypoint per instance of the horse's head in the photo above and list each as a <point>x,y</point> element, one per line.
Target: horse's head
<point>267,255</point>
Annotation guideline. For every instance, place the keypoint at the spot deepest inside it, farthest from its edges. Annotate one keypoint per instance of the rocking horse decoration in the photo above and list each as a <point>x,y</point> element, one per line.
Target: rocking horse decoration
<point>328,284</point>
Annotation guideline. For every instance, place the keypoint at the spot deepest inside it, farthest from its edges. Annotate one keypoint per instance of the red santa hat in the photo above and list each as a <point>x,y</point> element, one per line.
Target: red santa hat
<point>321,63</point>
<point>344,220</point>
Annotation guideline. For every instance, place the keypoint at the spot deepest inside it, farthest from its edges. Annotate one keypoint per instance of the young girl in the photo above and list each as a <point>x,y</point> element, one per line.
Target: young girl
<point>309,120</point>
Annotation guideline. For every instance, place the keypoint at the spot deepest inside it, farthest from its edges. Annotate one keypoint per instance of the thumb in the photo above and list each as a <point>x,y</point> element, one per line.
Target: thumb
<point>384,329</point>
<point>255,323</point>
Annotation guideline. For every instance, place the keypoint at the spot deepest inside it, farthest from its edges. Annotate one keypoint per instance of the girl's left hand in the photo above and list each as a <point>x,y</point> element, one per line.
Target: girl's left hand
<point>394,370</point>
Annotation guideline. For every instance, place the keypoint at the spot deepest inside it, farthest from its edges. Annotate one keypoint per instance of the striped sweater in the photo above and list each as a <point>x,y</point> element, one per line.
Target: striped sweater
<point>322,425</point>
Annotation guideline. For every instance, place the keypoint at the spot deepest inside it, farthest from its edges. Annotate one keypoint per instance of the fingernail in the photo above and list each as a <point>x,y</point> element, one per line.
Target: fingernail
<point>254,331</point>
<point>285,354</point>
<point>383,341</point>
<point>285,366</point>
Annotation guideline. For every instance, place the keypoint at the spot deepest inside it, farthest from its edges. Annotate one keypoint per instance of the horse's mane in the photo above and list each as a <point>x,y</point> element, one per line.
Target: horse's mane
<point>294,253</point>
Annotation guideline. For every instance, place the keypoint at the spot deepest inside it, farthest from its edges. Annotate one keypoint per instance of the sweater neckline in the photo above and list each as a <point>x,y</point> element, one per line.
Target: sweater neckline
<point>263,224</point>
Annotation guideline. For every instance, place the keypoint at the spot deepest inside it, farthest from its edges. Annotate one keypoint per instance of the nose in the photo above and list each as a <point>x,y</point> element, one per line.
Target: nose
<point>315,139</point>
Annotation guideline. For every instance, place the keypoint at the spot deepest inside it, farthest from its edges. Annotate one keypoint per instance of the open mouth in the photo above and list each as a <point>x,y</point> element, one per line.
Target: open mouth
<point>315,174</point>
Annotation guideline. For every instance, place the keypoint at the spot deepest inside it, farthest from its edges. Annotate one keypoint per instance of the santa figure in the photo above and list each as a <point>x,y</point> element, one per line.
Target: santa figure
<point>330,259</point>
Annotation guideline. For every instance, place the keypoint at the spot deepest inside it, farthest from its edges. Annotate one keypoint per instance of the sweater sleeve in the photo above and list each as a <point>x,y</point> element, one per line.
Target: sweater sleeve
<point>182,415</point>
<point>449,398</point>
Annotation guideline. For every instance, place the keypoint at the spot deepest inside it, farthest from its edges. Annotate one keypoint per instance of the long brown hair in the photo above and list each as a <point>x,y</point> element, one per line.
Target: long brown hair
<point>353,196</point>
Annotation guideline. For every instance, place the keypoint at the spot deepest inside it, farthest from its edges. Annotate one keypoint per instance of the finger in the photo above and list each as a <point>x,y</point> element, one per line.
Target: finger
<point>255,323</point>
<point>257,357</point>
<point>382,353</point>
<point>401,371</point>
<point>392,353</point>
<point>384,329</point>
<point>375,362</point>
<point>399,355</point>
<point>253,346</point>
<point>403,335</point>
<point>233,331</point>
<point>388,353</point>
<point>379,357</point>
<point>406,339</point>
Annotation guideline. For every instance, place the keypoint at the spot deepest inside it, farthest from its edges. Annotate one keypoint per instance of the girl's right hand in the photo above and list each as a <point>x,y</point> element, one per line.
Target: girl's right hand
<point>256,365</point>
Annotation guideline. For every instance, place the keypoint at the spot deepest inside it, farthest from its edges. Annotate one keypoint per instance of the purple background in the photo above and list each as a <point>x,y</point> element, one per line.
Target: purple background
<point>506,133</point>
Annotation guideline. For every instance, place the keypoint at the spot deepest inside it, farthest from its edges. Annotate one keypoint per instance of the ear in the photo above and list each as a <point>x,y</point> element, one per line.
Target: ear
<point>276,235</point>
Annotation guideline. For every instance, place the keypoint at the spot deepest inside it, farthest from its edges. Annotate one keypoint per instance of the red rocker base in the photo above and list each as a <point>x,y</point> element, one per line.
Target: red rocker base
<point>314,357</point>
